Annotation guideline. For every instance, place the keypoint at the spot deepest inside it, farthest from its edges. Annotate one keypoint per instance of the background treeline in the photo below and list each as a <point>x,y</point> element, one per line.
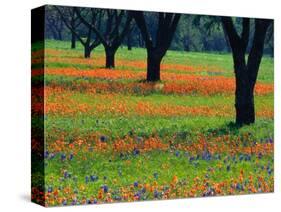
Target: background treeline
<point>194,33</point>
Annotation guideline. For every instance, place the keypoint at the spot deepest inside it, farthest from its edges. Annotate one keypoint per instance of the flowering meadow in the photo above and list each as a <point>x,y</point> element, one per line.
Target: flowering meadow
<point>110,136</point>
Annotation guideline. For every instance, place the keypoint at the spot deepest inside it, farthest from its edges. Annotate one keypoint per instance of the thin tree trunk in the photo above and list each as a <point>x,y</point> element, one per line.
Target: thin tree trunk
<point>54,34</point>
<point>59,35</point>
<point>73,41</point>
<point>110,58</point>
<point>129,42</point>
<point>153,66</point>
<point>87,51</point>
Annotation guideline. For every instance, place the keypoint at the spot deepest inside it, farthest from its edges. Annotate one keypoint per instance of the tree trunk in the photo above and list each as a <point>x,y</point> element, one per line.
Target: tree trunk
<point>153,66</point>
<point>87,51</point>
<point>129,43</point>
<point>54,34</point>
<point>244,102</point>
<point>245,73</point>
<point>73,41</point>
<point>244,91</point>
<point>59,35</point>
<point>110,58</point>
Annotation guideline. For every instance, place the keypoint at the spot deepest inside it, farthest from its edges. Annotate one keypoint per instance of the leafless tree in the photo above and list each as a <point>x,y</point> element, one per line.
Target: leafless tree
<point>246,69</point>
<point>117,25</point>
<point>68,15</point>
<point>156,49</point>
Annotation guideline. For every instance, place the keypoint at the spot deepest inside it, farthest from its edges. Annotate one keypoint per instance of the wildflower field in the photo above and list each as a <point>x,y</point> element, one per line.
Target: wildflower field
<point>110,136</point>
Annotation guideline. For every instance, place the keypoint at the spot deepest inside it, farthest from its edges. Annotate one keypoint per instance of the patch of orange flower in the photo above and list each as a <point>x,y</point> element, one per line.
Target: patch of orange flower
<point>129,63</point>
<point>173,83</point>
<point>60,101</point>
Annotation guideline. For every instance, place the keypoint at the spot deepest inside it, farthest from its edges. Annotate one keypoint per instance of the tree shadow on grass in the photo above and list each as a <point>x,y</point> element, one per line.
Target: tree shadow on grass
<point>230,128</point>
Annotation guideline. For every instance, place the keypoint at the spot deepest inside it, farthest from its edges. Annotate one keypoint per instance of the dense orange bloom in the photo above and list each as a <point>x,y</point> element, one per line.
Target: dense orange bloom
<point>190,84</point>
<point>63,103</point>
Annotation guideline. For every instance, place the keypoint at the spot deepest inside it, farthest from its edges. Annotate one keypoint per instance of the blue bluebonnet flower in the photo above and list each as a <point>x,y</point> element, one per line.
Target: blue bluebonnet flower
<point>191,159</point>
<point>136,184</point>
<point>239,187</point>
<point>105,188</point>
<point>103,138</point>
<point>65,174</point>
<point>206,155</point>
<point>269,171</point>
<point>93,178</point>
<point>241,157</point>
<point>74,202</point>
<point>136,151</point>
<point>63,156</point>
<point>138,195</point>
<point>46,154</point>
<point>71,156</point>
<point>155,194</point>
<point>50,189</point>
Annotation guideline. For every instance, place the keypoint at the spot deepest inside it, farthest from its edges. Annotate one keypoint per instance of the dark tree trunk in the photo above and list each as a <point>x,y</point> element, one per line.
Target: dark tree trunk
<point>54,34</point>
<point>186,45</point>
<point>129,43</point>
<point>245,72</point>
<point>167,23</point>
<point>244,104</point>
<point>110,58</point>
<point>87,51</point>
<point>244,95</point>
<point>59,35</point>
<point>73,41</point>
<point>153,66</point>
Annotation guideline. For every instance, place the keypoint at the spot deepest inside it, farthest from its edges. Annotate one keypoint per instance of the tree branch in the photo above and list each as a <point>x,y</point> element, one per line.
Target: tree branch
<point>68,26</point>
<point>231,32</point>
<point>97,32</point>
<point>256,52</point>
<point>140,21</point>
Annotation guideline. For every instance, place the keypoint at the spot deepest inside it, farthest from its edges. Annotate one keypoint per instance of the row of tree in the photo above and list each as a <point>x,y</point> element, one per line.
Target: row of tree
<point>189,36</point>
<point>156,32</point>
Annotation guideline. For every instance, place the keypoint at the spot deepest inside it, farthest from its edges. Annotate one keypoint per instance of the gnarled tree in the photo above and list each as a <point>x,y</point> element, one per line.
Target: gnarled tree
<point>54,23</point>
<point>74,23</point>
<point>157,48</point>
<point>246,70</point>
<point>117,25</point>
<point>95,17</point>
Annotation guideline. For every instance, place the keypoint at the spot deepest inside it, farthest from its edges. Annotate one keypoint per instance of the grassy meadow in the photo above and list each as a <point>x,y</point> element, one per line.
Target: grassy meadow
<point>110,136</point>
